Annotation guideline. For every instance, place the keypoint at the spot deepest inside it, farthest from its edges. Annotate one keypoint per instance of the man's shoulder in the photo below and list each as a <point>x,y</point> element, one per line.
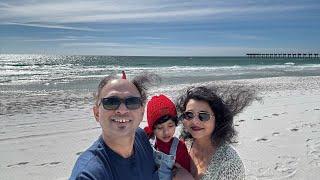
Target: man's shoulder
<point>90,164</point>
<point>141,136</point>
<point>140,132</point>
<point>91,169</point>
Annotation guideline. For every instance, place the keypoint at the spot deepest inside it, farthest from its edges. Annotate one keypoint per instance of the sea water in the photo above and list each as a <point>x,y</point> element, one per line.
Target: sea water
<point>68,80</point>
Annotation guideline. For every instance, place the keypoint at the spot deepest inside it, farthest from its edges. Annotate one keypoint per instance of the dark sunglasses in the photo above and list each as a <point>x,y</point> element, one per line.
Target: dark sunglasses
<point>114,102</point>
<point>203,116</point>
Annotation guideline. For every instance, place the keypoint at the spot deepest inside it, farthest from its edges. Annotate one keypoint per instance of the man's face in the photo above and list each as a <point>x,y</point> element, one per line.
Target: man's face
<point>122,121</point>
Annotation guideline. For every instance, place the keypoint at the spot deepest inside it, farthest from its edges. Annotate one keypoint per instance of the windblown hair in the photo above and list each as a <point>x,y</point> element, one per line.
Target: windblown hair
<point>225,102</point>
<point>141,81</point>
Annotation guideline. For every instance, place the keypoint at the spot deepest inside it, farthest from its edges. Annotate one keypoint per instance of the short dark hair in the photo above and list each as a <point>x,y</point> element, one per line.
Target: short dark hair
<point>141,82</point>
<point>224,110</point>
<point>164,119</point>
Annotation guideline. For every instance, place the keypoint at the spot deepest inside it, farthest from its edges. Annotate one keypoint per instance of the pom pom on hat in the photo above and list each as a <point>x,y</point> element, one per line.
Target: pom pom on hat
<point>158,107</point>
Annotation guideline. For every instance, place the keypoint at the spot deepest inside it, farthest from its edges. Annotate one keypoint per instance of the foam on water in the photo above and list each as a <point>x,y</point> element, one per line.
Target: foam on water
<point>43,69</point>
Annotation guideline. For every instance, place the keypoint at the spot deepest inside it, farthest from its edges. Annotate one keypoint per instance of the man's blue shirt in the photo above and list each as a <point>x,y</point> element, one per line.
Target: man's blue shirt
<point>100,162</point>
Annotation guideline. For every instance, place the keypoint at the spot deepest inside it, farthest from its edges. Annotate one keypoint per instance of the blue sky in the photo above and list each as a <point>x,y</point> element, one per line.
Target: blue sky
<point>159,28</point>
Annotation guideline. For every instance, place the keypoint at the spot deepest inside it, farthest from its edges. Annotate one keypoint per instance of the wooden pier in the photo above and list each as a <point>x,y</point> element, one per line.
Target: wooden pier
<point>283,55</point>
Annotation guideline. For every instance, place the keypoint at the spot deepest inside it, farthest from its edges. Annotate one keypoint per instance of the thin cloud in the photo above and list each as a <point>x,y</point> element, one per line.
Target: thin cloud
<point>56,39</point>
<point>234,35</point>
<point>50,26</point>
<point>144,27</point>
<point>157,50</point>
<point>244,37</point>
<point>95,44</point>
<point>151,38</point>
<point>48,40</point>
<point>120,12</point>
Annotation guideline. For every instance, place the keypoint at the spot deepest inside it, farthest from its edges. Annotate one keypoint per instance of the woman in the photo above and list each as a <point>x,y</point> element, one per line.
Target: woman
<point>209,131</point>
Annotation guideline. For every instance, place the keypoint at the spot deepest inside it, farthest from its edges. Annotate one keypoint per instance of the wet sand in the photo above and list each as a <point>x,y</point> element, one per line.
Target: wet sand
<point>42,135</point>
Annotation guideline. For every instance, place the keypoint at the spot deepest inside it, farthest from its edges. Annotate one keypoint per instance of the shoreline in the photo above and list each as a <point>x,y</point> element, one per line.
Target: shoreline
<point>278,138</point>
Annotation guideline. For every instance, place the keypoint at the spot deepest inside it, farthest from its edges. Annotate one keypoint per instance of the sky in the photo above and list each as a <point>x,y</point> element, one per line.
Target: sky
<point>159,27</point>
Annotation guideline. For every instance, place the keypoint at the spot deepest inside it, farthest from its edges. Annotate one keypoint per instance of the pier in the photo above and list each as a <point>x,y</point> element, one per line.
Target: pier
<point>283,55</point>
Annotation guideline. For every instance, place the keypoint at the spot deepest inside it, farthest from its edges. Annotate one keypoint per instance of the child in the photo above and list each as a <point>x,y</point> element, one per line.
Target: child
<point>162,122</point>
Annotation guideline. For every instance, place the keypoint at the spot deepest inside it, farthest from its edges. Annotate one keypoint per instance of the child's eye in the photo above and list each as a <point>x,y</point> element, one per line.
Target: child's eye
<point>159,128</point>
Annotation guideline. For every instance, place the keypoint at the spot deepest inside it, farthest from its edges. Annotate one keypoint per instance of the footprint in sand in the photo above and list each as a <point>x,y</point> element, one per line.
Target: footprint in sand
<point>242,120</point>
<point>313,151</point>
<point>78,153</point>
<point>287,165</point>
<point>294,129</point>
<point>275,133</point>
<point>263,139</point>
<point>264,172</point>
<point>51,163</point>
<point>18,164</point>
<point>316,109</point>
<point>43,164</point>
<point>275,114</point>
<point>258,119</point>
<point>54,163</point>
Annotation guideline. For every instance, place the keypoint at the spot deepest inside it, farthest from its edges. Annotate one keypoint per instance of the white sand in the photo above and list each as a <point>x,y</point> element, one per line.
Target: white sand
<point>278,139</point>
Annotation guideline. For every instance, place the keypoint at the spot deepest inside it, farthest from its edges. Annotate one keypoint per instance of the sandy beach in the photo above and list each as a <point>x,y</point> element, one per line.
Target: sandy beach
<point>53,54</point>
<point>279,138</point>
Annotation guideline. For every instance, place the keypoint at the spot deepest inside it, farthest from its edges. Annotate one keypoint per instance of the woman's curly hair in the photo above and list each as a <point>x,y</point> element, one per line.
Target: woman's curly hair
<point>225,102</point>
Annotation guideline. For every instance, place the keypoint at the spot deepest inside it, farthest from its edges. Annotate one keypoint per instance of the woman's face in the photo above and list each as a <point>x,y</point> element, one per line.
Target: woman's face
<point>197,128</point>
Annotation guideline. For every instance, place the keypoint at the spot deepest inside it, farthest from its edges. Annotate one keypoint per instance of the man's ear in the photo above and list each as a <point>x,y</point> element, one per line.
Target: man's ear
<point>95,110</point>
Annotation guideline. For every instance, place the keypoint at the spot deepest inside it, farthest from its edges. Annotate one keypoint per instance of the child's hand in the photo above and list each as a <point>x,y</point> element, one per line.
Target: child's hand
<point>180,173</point>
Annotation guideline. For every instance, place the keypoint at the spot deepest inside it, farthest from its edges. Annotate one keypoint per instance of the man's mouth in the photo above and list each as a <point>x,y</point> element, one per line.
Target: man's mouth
<point>120,120</point>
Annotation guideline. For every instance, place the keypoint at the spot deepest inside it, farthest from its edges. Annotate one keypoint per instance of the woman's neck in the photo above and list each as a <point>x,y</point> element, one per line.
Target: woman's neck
<point>204,143</point>
<point>202,150</point>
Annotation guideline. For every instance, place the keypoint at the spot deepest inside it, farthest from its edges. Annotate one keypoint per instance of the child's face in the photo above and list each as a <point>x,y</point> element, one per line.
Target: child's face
<point>165,131</point>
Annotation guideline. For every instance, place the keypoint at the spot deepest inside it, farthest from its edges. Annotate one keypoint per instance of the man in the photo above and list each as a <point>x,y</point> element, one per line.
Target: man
<point>123,150</point>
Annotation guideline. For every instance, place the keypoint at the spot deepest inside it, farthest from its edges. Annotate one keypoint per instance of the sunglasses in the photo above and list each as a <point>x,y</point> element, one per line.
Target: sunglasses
<point>114,102</point>
<point>202,116</point>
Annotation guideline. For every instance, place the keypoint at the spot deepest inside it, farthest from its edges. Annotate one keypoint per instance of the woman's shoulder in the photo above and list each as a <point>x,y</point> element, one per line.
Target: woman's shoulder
<point>226,164</point>
<point>225,153</point>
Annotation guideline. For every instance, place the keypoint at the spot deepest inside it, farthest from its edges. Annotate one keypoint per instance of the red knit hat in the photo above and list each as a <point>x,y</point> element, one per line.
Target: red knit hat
<point>157,107</point>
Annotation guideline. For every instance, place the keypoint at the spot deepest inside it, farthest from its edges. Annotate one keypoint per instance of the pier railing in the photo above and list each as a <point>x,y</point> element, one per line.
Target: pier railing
<point>283,55</point>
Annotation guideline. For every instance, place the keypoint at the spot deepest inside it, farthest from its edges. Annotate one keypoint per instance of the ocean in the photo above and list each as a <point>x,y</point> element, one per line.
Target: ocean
<point>57,79</point>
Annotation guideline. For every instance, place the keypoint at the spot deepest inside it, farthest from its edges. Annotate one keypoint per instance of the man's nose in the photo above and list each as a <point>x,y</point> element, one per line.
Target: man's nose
<point>122,109</point>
